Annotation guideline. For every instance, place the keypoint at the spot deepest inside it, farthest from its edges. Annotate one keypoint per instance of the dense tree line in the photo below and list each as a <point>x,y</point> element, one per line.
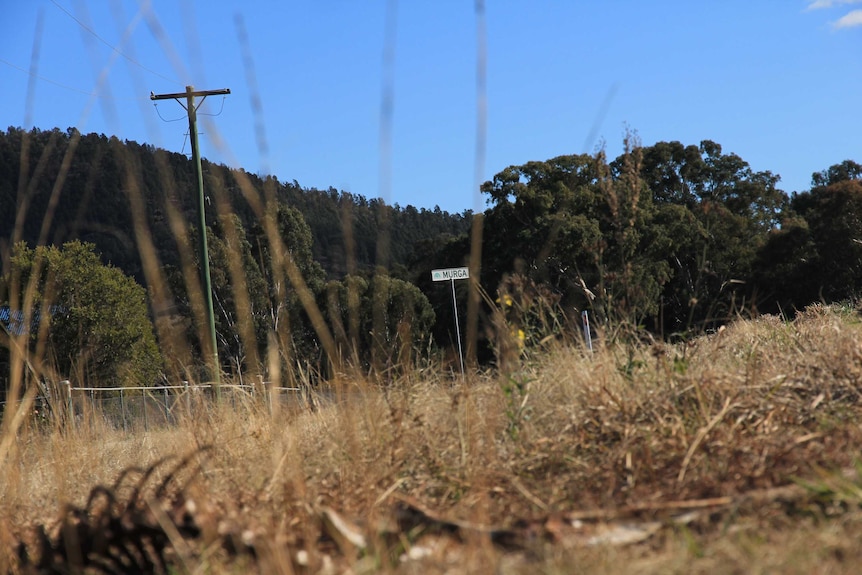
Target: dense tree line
<point>668,238</point>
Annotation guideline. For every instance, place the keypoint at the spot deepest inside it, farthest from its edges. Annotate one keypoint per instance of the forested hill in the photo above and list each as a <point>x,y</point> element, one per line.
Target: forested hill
<point>84,187</point>
<point>669,236</point>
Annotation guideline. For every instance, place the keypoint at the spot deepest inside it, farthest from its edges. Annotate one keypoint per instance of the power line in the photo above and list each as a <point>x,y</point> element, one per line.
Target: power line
<point>64,86</point>
<point>156,106</point>
<point>38,77</point>
<point>219,111</point>
<point>109,45</point>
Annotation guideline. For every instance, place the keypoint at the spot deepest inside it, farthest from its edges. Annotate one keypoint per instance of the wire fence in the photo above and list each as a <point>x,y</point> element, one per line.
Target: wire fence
<point>146,408</point>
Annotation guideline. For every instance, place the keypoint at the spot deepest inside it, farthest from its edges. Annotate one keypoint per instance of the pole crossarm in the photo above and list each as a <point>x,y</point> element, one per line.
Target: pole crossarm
<point>187,94</point>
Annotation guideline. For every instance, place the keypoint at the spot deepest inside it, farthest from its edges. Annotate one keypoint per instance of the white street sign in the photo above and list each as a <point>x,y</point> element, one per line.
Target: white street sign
<point>450,274</point>
<point>453,274</point>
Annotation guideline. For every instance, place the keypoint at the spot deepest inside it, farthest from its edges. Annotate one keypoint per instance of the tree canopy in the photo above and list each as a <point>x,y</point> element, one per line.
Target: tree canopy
<point>99,328</point>
<point>664,236</point>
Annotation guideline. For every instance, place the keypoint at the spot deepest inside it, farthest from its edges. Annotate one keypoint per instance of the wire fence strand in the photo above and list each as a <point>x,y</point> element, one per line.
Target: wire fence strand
<point>153,407</point>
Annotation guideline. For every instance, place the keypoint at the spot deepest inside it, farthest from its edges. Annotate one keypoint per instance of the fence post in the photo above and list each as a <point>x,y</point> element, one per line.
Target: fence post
<point>123,408</point>
<point>267,395</point>
<point>69,405</point>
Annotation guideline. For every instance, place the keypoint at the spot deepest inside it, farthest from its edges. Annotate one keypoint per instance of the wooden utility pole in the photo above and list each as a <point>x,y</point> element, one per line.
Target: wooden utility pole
<point>191,110</point>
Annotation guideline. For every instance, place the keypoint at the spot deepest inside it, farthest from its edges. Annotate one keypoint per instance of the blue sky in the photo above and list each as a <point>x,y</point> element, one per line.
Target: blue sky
<point>778,82</point>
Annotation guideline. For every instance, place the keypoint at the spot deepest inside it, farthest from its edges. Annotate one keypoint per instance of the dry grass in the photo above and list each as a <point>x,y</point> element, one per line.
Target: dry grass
<point>735,453</point>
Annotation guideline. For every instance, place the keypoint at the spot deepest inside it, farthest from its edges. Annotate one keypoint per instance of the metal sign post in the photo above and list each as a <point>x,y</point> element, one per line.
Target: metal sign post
<point>453,274</point>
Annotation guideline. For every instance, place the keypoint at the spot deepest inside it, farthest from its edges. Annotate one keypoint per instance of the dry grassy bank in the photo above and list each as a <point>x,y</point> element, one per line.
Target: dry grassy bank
<point>735,453</point>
